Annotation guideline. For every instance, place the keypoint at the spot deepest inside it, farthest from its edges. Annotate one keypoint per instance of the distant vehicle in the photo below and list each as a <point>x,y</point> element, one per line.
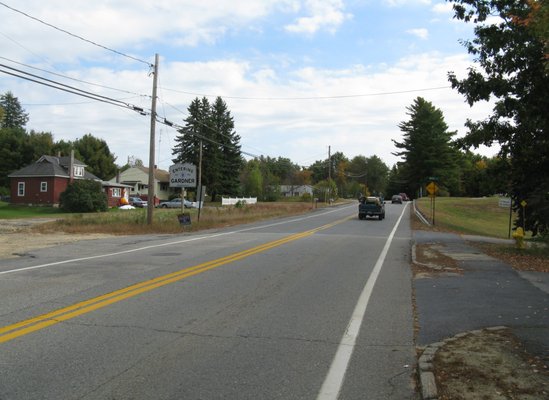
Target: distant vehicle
<point>404,196</point>
<point>371,207</point>
<point>176,203</point>
<point>137,202</point>
<point>396,199</point>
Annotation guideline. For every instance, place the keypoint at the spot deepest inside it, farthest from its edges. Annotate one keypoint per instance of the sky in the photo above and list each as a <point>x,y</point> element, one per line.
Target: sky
<point>299,77</point>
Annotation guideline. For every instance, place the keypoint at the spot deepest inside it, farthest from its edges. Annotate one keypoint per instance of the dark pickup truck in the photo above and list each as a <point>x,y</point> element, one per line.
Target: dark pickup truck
<point>371,207</point>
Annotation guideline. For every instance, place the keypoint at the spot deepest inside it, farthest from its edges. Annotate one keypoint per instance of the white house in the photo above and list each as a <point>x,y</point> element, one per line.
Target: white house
<point>295,190</point>
<point>138,179</point>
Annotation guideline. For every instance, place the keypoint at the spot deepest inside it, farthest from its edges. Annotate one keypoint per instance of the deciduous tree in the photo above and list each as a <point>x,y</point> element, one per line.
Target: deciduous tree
<point>511,70</point>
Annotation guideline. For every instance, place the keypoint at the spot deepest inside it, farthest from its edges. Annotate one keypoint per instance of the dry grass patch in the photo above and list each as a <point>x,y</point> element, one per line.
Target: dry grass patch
<point>134,222</point>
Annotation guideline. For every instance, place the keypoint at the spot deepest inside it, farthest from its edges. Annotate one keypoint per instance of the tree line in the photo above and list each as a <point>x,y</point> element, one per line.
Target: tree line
<point>511,68</point>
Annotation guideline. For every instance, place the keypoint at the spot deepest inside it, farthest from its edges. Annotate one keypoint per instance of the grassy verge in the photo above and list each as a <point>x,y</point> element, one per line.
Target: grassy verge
<point>128,222</point>
<point>480,216</point>
<point>8,211</point>
<point>485,218</point>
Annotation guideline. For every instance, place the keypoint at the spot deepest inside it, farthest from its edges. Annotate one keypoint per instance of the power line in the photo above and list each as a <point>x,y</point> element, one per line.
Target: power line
<point>74,79</point>
<point>69,89</point>
<point>311,97</point>
<point>77,36</point>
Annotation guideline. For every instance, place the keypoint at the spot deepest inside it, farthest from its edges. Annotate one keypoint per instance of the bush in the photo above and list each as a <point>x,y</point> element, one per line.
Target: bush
<point>83,196</point>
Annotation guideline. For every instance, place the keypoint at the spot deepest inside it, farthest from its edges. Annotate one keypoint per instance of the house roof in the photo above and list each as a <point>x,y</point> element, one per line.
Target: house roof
<point>159,174</point>
<point>50,166</point>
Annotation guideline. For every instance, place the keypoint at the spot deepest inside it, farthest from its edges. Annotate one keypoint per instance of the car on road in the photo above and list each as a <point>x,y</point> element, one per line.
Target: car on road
<point>371,207</point>
<point>404,197</point>
<point>137,202</point>
<point>176,203</point>
<point>396,199</point>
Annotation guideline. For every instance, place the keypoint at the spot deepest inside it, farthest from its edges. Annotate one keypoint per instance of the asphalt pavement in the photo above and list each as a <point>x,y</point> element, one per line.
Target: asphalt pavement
<point>488,293</point>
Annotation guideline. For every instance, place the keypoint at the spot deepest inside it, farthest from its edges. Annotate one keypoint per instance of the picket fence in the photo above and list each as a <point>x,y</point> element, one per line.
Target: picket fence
<point>231,201</point>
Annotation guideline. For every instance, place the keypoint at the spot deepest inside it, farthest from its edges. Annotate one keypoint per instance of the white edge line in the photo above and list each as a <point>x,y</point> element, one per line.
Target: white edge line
<point>72,260</point>
<point>334,380</point>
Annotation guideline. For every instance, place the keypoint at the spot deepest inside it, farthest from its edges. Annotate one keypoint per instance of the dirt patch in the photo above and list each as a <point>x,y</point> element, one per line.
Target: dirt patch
<point>430,260</point>
<point>489,366</point>
<point>18,237</point>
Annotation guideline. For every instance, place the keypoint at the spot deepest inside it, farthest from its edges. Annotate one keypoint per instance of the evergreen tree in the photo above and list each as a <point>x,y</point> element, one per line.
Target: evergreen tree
<point>427,149</point>
<point>229,141</point>
<point>13,115</point>
<point>212,125</point>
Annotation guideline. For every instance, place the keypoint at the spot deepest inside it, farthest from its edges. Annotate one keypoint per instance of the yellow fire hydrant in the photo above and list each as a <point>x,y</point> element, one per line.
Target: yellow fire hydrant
<point>518,235</point>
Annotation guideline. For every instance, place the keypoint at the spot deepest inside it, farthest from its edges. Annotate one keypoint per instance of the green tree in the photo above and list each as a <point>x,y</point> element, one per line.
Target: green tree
<point>13,114</point>
<point>95,153</point>
<point>12,156</point>
<point>512,70</point>
<point>252,179</point>
<point>229,142</point>
<point>427,149</point>
<point>212,127</point>
<point>83,195</point>
<point>376,175</point>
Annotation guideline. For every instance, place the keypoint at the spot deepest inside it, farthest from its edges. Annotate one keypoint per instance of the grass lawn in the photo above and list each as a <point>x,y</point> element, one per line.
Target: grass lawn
<point>9,211</point>
<point>473,216</point>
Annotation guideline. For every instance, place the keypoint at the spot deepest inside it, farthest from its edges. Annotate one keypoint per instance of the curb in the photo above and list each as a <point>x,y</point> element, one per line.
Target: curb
<point>426,375</point>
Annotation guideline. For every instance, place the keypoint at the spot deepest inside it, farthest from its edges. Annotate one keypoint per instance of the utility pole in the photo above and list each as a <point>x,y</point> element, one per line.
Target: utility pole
<point>150,190</point>
<point>329,163</point>
<point>200,181</point>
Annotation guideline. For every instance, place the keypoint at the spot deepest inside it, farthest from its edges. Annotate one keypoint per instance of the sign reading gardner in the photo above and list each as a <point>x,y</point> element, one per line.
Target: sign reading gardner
<point>183,175</point>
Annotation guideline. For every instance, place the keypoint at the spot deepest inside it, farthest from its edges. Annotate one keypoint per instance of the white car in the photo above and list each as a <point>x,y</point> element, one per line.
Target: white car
<point>176,203</point>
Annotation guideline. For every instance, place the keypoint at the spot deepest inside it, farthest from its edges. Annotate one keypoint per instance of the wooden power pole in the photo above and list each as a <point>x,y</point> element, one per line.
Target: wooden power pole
<point>151,188</point>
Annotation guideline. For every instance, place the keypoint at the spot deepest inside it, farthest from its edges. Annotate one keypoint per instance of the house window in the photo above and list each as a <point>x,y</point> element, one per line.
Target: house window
<point>78,170</point>
<point>43,186</point>
<point>20,189</point>
<point>116,192</point>
<point>164,186</point>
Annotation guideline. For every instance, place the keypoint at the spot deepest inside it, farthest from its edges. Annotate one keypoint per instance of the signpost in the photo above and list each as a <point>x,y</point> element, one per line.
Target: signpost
<point>183,176</point>
<point>432,189</point>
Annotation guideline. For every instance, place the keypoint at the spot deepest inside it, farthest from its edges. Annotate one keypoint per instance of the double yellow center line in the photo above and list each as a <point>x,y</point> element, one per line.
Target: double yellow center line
<point>22,328</point>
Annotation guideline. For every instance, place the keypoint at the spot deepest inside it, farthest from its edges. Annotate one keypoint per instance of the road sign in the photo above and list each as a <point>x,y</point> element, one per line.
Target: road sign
<point>183,175</point>
<point>523,203</point>
<point>432,188</point>
<point>504,202</point>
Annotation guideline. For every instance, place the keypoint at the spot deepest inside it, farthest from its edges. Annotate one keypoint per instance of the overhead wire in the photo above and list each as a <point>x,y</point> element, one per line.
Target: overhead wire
<point>311,97</point>
<point>150,65</point>
<point>69,89</point>
<point>74,79</point>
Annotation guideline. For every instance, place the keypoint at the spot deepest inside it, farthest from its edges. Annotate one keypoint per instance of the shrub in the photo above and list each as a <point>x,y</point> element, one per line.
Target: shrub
<point>83,196</point>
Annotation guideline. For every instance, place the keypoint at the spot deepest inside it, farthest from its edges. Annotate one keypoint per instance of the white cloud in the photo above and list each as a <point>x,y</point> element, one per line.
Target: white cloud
<point>421,33</point>
<point>399,3</point>
<point>442,8</point>
<point>323,15</point>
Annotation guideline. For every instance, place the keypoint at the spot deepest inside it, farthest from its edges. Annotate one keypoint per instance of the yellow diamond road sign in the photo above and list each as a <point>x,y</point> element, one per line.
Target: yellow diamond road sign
<point>432,188</point>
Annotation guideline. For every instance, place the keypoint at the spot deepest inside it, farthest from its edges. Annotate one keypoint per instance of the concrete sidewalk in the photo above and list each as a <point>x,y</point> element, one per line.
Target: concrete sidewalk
<point>488,293</point>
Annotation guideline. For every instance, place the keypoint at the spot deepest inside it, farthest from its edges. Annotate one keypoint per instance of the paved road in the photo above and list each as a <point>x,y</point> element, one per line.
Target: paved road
<point>313,307</point>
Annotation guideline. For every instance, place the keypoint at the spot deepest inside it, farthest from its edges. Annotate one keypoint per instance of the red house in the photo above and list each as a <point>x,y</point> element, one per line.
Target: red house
<point>42,182</point>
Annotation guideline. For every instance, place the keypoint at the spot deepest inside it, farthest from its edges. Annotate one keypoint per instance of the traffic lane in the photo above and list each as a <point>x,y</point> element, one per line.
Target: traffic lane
<point>36,291</point>
<point>235,309</point>
<point>383,364</point>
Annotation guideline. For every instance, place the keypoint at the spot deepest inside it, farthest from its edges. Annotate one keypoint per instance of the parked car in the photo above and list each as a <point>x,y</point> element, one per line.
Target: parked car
<point>176,203</point>
<point>404,197</point>
<point>396,199</point>
<point>137,202</point>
